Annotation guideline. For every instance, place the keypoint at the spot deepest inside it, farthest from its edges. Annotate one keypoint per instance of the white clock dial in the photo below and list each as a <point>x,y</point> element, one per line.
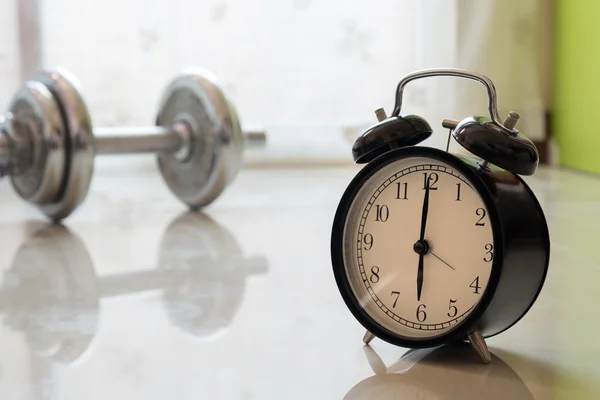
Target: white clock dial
<point>383,247</point>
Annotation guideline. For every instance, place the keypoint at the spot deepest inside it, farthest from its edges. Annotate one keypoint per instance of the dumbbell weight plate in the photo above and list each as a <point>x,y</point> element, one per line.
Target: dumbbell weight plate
<point>50,294</point>
<point>217,140</point>
<point>79,141</point>
<point>37,115</point>
<point>210,263</point>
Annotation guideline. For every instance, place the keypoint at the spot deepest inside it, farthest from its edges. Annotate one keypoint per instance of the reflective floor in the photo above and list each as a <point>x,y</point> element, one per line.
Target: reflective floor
<point>133,298</point>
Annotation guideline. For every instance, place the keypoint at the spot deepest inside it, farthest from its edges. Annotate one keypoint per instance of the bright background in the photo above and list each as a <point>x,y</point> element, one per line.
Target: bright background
<point>310,72</point>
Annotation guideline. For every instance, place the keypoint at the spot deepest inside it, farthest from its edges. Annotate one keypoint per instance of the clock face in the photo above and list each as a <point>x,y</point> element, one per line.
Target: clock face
<point>418,247</point>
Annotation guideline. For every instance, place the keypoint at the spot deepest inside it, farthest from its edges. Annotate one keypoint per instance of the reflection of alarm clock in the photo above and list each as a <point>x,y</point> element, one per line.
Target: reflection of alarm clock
<point>446,372</point>
<point>430,247</point>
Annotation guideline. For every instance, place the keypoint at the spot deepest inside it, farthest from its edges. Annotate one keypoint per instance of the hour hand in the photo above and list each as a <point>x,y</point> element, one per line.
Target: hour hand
<point>420,278</point>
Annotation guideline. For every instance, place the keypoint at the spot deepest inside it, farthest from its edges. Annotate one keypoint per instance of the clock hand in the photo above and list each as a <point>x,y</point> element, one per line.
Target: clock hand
<point>422,240</point>
<point>420,278</point>
<point>424,212</point>
<point>435,255</point>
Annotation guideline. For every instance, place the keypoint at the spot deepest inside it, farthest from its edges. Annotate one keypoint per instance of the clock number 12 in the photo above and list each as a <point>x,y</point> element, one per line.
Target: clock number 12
<point>430,180</point>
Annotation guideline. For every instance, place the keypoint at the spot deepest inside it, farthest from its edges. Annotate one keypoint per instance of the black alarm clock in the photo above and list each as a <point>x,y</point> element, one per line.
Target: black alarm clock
<point>430,247</point>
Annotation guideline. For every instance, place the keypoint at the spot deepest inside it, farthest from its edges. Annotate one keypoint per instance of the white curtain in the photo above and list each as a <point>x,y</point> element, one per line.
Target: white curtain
<point>9,52</point>
<point>510,42</point>
<point>310,72</point>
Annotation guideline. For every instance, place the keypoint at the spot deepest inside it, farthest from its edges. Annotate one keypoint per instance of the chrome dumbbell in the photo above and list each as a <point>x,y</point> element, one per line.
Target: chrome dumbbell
<point>47,144</point>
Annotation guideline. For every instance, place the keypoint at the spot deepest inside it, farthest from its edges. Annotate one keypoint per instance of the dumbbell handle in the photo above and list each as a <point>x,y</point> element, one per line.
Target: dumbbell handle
<point>128,140</point>
<point>157,279</point>
<point>124,140</point>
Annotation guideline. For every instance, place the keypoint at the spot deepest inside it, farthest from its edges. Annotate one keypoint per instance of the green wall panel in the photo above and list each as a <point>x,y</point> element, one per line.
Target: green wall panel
<point>577,83</point>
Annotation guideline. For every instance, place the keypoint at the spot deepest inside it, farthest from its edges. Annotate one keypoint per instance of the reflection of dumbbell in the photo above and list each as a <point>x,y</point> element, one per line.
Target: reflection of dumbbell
<point>52,294</point>
<point>447,372</point>
<point>47,144</point>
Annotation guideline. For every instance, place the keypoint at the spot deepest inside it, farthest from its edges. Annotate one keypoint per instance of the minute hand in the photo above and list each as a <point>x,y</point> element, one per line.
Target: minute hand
<point>421,239</point>
<point>425,212</point>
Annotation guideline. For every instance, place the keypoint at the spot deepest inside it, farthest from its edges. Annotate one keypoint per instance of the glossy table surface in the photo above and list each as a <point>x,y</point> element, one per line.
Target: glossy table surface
<point>133,298</point>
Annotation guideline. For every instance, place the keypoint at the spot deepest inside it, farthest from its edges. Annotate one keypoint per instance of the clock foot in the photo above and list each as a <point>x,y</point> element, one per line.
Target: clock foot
<point>478,343</point>
<point>368,337</point>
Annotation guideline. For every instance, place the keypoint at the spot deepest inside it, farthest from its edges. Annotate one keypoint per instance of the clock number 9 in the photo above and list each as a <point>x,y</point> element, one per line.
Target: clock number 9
<point>421,314</point>
<point>368,239</point>
<point>489,254</point>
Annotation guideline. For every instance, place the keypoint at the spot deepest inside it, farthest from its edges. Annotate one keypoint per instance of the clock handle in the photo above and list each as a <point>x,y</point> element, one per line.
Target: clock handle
<point>487,82</point>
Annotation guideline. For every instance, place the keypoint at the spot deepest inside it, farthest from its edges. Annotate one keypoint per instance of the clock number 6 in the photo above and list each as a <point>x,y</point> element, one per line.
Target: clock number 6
<point>489,254</point>
<point>421,314</point>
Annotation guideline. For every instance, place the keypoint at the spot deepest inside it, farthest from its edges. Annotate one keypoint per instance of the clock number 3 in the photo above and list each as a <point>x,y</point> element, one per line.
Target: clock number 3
<point>489,254</point>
